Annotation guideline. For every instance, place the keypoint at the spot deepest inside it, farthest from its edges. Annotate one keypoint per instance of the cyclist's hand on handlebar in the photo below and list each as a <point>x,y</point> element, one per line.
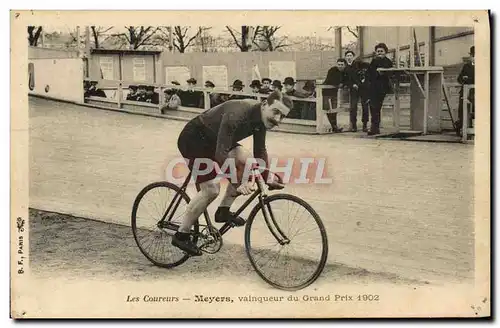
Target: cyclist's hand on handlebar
<point>275,185</point>
<point>247,187</point>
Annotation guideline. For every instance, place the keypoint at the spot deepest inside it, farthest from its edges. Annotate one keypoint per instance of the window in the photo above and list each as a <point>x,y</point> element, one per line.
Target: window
<point>107,68</point>
<point>139,69</point>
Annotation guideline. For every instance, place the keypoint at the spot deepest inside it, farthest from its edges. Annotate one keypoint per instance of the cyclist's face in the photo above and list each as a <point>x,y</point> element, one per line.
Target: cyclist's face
<point>273,114</point>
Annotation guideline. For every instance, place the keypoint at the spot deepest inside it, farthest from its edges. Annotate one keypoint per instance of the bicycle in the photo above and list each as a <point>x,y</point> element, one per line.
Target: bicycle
<point>285,274</point>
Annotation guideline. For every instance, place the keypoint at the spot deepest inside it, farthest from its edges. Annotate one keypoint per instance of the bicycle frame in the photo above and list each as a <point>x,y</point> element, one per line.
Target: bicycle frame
<point>260,192</point>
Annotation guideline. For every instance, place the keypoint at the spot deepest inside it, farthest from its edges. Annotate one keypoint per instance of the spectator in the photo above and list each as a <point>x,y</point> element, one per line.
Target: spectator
<point>353,82</point>
<point>276,85</point>
<point>466,76</point>
<point>190,97</point>
<point>266,86</point>
<point>141,93</point>
<point>93,91</point>
<point>309,111</point>
<point>255,86</point>
<point>172,100</point>
<point>132,93</point>
<point>151,95</point>
<point>336,78</point>
<point>364,94</point>
<point>379,85</point>
<point>237,87</point>
<point>289,86</point>
<point>212,95</point>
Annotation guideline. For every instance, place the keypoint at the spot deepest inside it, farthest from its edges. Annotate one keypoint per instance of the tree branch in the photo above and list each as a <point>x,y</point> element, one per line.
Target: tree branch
<point>352,32</point>
<point>234,37</point>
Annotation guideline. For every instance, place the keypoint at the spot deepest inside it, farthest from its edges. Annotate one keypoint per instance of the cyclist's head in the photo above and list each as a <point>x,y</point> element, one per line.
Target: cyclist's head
<point>275,108</point>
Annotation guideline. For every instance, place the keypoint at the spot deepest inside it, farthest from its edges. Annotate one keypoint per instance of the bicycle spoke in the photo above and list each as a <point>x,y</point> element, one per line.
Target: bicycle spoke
<point>292,265</point>
<point>155,242</point>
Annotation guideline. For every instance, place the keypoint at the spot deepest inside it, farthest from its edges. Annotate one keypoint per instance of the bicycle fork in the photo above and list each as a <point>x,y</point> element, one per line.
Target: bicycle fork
<point>271,223</point>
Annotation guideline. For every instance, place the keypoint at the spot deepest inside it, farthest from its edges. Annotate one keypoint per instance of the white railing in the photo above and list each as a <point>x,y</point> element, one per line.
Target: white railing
<point>322,125</point>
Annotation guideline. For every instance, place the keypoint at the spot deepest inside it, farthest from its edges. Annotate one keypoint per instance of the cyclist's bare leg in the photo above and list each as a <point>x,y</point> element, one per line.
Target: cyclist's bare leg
<point>240,155</point>
<point>209,191</point>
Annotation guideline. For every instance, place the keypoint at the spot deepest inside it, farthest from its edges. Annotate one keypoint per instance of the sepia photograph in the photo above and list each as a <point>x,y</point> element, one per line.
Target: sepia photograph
<point>232,169</point>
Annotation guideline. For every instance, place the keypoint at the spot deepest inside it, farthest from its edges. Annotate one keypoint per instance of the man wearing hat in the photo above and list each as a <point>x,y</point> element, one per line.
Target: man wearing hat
<point>152,96</point>
<point>466,76</point>
<point>277,85</point>
<point>172,100</point>
<point>289,86</point>
<point>190,97</point>
<point>93,91</point>
<point>237,87</point>
<point>255,86</point>
<point>141,93</point>
<point>209,85</point>
<point>309,110</point>
<point>266,86</point>
<point>132,92</point>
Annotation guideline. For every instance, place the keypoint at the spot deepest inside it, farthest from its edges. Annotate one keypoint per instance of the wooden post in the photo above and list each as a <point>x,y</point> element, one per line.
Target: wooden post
<point>397,46</point>
<point>412,50</point>
<point>397,104</point>
<point>360,41</point>
<point>161,100</point>
<point>319,110</point>
<point>431,49</point>
<point>338,41</point>
<point>206,97</point>
<point>119,94</point>
<point>426,101</point>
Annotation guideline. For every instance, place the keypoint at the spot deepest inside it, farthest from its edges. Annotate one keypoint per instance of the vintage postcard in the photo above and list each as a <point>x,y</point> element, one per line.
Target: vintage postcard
<point>250,164</point>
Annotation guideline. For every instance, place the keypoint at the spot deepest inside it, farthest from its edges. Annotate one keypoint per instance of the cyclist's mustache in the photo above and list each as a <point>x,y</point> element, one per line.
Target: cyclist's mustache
<point>273,122</point>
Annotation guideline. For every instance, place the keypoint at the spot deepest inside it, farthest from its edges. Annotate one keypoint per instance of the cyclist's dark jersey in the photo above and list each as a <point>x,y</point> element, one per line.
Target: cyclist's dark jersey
<point>235,120</point>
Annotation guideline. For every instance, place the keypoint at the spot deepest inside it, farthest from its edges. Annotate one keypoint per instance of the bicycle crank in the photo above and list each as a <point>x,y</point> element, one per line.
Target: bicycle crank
<point>212,240</point>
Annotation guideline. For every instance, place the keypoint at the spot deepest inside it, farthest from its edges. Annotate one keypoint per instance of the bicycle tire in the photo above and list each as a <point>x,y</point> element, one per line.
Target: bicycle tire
<point>142,193</point>
<point>318,221</point>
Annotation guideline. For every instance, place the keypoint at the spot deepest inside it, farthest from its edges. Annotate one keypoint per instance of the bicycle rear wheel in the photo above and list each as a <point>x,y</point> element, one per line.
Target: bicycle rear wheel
<point>152,237</point>
<point>288,250</point>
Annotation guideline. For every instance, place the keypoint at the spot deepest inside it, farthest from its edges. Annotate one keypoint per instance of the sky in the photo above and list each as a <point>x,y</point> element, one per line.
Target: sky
<point>290,30</point>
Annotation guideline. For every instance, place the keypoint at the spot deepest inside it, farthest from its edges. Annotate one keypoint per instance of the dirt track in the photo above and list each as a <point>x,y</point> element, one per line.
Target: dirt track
<point>399,207</point>
<point>74,247</point>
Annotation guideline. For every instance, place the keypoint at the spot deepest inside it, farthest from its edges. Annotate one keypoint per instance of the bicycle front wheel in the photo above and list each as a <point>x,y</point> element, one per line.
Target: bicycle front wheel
<point>154,235</point>
<point>288,247</point>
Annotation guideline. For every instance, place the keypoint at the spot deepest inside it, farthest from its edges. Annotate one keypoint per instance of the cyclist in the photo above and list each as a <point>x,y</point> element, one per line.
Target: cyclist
<point>214,135</point>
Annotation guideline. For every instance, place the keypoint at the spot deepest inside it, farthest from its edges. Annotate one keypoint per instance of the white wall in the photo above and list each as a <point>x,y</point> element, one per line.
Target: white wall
<point>62,77</point>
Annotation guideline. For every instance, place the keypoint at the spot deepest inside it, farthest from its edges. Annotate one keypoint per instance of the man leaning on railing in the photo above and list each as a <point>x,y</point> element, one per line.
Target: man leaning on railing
<point>466,77</point>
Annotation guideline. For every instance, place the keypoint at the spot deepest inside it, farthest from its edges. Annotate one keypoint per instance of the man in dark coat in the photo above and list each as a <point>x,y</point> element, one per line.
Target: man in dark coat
<point>335,77</point>
<point>132,94</point>
<point>289,86</point>
<point>152,96</point>
<point>380,85</point>
<point>466,76</point>
<point>353,82</point>
<point>190,97</point>
<point>94,91</point>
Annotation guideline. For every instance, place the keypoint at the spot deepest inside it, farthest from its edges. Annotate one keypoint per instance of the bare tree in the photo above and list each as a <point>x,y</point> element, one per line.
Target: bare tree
<point>97,32</point>
<point>137,36</point>
<point>269,40</point>
<point>34,33</point>
<point>351,29</point>
<point>182,40</point>
<point>243,39</point>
